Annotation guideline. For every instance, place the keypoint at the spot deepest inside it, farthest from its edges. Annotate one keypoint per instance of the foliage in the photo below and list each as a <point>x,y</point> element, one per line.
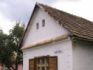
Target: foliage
<point>10,52</point>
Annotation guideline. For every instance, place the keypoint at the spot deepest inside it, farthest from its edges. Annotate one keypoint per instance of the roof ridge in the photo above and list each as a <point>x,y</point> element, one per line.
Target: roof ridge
<point>71,14</point>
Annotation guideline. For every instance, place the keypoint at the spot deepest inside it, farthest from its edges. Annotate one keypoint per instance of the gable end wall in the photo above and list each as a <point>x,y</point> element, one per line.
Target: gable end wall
<point>51,29</point>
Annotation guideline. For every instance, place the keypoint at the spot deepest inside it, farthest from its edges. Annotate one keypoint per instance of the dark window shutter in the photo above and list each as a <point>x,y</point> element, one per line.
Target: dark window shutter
<point>53,63</point>
<point>31,64</point>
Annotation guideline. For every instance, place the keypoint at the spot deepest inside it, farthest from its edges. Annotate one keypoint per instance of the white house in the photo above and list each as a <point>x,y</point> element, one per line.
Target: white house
<point>56,40</point>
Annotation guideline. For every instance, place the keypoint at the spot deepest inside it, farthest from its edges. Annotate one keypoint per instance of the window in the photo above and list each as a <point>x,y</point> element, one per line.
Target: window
<point>43,63</point>
<point>37,25</point>
<point>43,22</point>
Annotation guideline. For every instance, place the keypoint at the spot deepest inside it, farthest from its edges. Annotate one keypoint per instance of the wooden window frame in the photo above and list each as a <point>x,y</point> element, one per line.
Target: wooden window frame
<point>35,61</point>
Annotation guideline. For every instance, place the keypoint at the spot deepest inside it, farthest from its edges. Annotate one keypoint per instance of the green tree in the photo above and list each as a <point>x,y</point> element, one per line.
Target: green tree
<point>11,53</point>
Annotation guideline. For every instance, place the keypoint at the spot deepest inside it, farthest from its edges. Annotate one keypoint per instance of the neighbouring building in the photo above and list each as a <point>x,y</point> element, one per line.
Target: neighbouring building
<point>56,40</point>
<point>1,67</point>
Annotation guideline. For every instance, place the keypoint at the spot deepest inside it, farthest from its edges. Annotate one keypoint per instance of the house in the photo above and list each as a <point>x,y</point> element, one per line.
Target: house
<point>1,67</point>
<point>20,67</point>
<point>56,40</point>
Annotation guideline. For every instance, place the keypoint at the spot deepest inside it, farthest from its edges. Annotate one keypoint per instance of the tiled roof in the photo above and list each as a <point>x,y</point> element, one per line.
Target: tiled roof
<point>78,26</point>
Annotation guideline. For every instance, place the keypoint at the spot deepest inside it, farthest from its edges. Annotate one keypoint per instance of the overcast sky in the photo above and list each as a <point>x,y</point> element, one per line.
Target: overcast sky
<point>20,10</point>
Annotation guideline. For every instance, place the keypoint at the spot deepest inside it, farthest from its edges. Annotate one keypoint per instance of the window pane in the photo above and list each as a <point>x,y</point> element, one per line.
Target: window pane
<point>40,61</point>
<point>38,68</point>
<point>46,68</point>
<point>43,68</point>
<point>45,61</point>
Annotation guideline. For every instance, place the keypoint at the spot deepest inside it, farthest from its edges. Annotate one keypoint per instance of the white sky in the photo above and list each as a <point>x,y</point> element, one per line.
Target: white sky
<point>81,8</point>
<point>5,23</point>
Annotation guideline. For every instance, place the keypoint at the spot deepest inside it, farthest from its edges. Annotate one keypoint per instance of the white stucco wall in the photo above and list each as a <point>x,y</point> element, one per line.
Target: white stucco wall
<point>51,29</point>
<point>62,49</point>
<point>83,56</point>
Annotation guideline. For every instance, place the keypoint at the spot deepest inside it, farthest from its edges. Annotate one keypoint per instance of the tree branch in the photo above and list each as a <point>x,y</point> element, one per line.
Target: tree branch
<point>12,67</point>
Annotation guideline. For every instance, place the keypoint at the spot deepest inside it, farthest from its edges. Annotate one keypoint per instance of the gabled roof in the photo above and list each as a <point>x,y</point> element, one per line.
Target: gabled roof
<point>77,26</point>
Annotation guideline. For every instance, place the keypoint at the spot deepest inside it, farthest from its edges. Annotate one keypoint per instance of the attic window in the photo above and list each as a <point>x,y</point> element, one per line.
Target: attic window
<point>37,25</point>
<point>43,22</point>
